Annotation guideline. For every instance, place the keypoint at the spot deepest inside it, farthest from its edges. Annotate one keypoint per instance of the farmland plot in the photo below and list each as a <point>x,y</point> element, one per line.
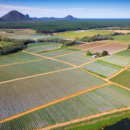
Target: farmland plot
<point>57,53</point>
<point>30,68</point>
<point>36,91</point>
<point>26,56</point>
<point>100,100</point>
<point>8,60</point>
<point>39,44</point>
<point>122,78</point>
<point>111,48</point>
<point>20,37</point>
<point>101,68</point>
<point>43,48</point>
<point>76,58</point>
<point>36,36</point>
<point>124,53</point>
<point>117,60</point>
<point>89,45</point>
<point>52,37</point>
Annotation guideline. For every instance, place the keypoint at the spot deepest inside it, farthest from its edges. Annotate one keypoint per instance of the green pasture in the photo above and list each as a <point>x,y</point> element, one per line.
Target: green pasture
<point>76,58</point>
<point>124,53</point>
<point>30,68</point>
<point>123,78</point>
<point>2,43</point>
<point>123,38</point>
<point>40,90</point>
<point>26,56</point>
<point>101,68</point>
<point>94,102</point>
<point>90,33</point>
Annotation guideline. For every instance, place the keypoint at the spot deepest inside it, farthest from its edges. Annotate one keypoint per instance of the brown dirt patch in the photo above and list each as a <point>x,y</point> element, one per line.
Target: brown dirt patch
<point>111,48</point>
<point>88,46</point>
<point>122,31</point>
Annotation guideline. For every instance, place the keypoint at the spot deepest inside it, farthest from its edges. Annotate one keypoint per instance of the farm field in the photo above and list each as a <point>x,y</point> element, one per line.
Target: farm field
<point>26,56</point>
<point>43,48</point>
<point>87,46</point>
<point>122,78</point>
<point>39,44</point>
<point>36,91</point>
<point>124,53</point>
<point>53,37</point>
<point>30,68</point>
<point>102,68</point>
<point>90,33</point>
<point>111,48</point>
<point>117,60</point>
<point>36,36</point>
<point>97,101</point>
<point>19,37</point>
<point>122,31</point>
<point>124,38</point>
<point>17,32</point>
<point>8,60</point>
<point>2,43</point>
<point>58,53</point>
<point>76,58</point>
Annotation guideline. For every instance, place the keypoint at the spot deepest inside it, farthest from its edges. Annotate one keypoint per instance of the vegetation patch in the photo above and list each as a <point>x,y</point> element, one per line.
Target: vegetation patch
<point>123,78</point>
<point>101,68</point>
<point>97,101</point>
<point>124,38</point>
<point>19,38</point>
<point>124,53</point>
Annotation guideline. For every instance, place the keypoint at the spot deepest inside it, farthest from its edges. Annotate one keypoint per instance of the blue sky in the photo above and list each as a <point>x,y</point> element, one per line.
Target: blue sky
<point>77,8</point>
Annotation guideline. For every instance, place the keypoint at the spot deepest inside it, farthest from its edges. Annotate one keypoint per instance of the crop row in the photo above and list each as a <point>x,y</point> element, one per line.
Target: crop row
<point>100,100</point>
<point>22,95</point>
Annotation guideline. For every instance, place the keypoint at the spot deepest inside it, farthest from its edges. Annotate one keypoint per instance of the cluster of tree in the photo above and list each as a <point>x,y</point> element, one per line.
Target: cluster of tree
<point>104,53</point>
<point>61,26</point>
<point>16,46</point>
<point>128,46</point>
<point>97,37</point>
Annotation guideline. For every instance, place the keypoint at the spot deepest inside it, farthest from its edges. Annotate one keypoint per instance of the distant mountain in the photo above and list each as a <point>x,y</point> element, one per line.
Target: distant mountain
<point>69,17</point>
<point>27,15</point>
<point>15,16</point>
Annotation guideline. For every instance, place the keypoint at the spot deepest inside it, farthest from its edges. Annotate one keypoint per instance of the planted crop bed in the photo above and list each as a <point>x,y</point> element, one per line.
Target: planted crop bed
<point>101,68</point>
<point>89,45</point>
<point>53,37</point>
<point>58,53</point>
<point>39,44</point>
<point>124,53</point>
<point>19,37</point>
<point>36,36</point>
<point>100,100</point>
<point>43,48</point>
<point>25,94</point>
<point>122,78</point>
<point>111,48</point>
<point>117,60</point>
<point>76,58</point>
<point>26,56</point>
<point>8,60</point>
<point>30,68</point>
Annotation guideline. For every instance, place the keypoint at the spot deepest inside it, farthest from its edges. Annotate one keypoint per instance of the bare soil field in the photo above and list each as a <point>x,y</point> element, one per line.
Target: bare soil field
<point>122,31</point>
<point>88,46</point>
<point>111,48</point>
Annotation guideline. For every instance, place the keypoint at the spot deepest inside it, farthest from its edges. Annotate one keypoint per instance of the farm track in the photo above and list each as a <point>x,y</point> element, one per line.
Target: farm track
<point>85,118</point>
<point>52,103</point>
